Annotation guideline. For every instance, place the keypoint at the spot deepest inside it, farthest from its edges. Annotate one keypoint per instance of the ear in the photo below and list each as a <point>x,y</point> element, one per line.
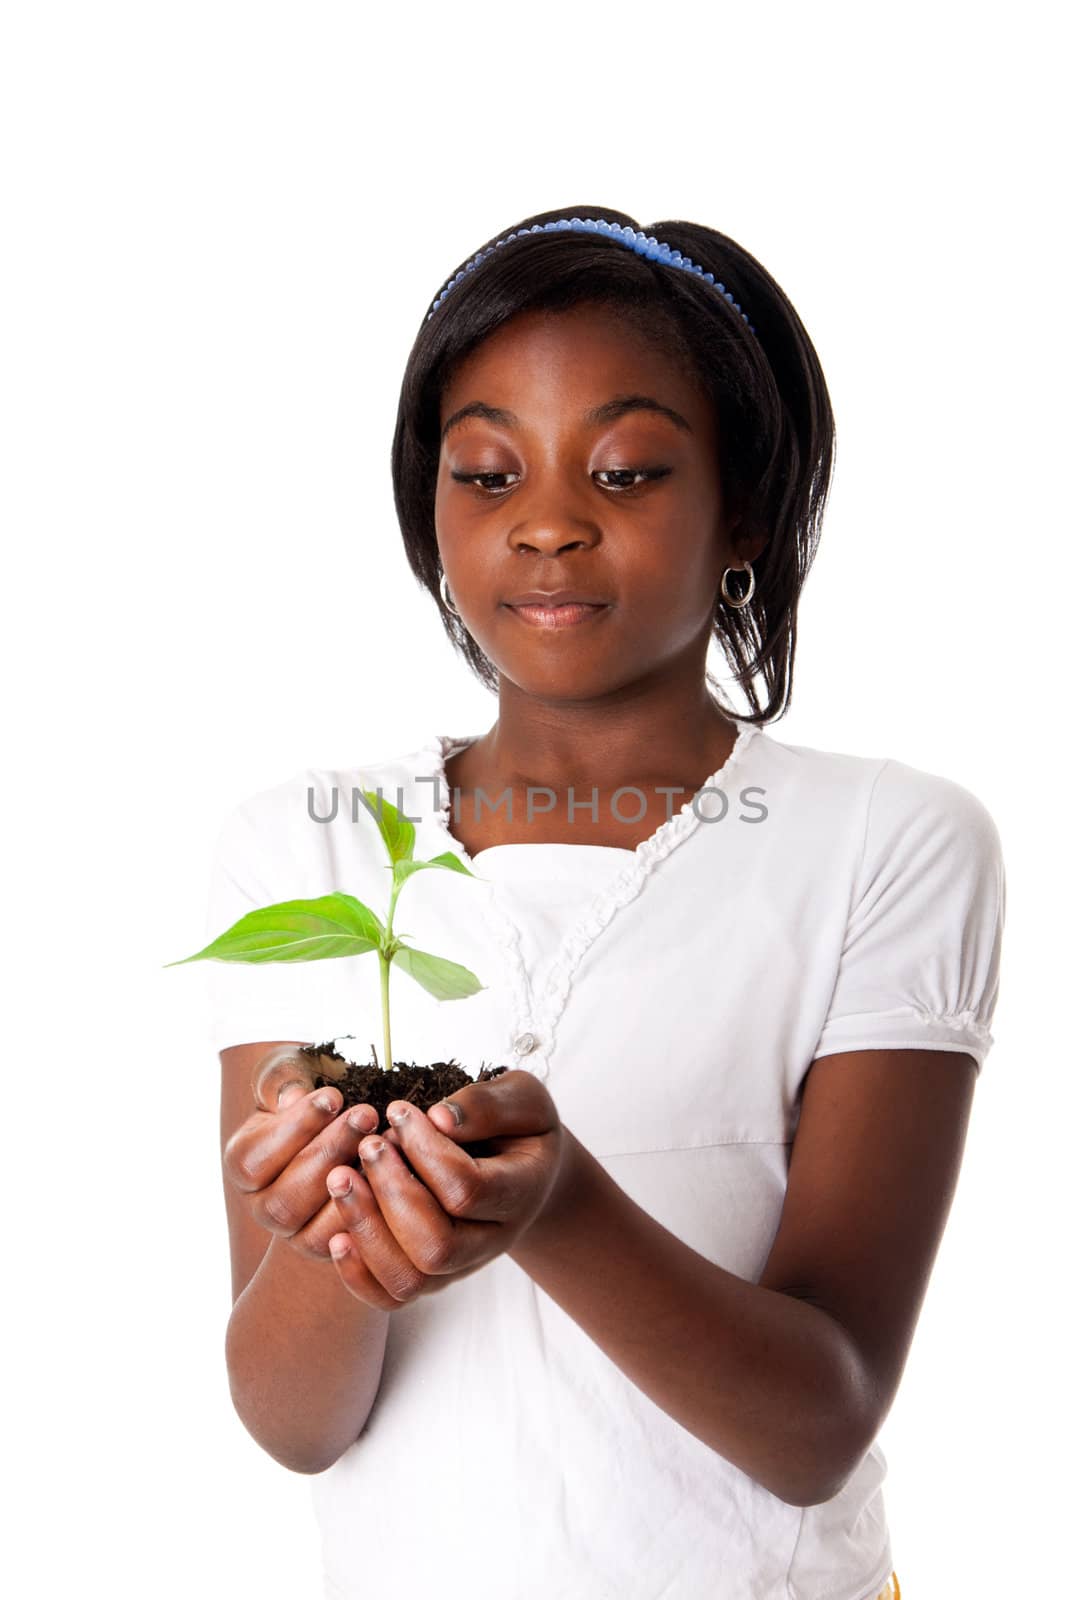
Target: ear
<point>748,545</point>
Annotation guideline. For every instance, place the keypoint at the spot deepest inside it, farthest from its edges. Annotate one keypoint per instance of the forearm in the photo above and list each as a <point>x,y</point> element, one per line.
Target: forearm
<point>769,1382</point>
<point>304,1358</point>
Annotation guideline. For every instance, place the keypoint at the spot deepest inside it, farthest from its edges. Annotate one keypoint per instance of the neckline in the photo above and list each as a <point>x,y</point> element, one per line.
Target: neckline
<point>536,1014</point>
<point>440,746</point>
<point>554,844</point>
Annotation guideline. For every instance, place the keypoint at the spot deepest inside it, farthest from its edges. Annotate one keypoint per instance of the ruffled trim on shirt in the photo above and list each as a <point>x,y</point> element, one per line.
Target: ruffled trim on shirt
<point>619,892</point>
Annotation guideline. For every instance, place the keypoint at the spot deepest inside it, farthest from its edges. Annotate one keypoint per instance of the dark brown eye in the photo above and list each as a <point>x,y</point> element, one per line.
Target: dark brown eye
<point>648,473</point>
<point>479,478</point>
<point>492,483</point>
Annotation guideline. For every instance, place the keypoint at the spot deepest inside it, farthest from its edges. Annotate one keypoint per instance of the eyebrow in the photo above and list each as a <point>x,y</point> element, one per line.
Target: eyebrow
<point>599,414</point>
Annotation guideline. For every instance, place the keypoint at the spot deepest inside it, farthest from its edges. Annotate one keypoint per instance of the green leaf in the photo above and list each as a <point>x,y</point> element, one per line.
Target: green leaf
<point>445,980</point>
<point>404,869</point>
<point>397,831</point>
<point>297,930</point>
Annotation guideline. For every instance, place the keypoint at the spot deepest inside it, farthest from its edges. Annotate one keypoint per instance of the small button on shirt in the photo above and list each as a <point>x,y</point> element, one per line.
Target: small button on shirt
<point>671,998</point>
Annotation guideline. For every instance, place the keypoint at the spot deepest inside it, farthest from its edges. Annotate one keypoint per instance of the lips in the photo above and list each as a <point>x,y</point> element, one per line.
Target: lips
<point>544,598</point>
<point>554,617</point>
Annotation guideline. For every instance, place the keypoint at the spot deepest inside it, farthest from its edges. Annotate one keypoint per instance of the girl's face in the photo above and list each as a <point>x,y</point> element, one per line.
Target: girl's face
<point>579,486</point>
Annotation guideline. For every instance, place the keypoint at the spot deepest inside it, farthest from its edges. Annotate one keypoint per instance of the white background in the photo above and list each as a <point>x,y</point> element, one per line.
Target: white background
<point>223,224</point>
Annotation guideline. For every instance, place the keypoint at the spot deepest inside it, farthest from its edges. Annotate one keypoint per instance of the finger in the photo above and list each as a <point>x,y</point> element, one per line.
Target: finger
<point>355,1275</point>
<point>483,1193</point>
<point>284,1069</point>
<point>293,1200</point>
<point>511,1106</point>
<point>366,1254</point>
<point>339,1142</point>
<point>283,1168</point>
<point>429,1238</point>
<point>261,1148</point>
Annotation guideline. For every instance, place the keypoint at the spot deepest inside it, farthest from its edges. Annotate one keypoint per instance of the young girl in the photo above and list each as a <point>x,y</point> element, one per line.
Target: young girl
<point>643,1347</point>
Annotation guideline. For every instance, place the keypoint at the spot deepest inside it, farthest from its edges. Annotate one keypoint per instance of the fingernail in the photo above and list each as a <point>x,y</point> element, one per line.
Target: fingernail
<point>363,1120</point>
<point>341,1185</point>
<point>371,1149</point>
<point>457,1111</point>
<point>339,1246</point>
<point>398,1113</point>
<point>291,1092</point>
<point>326,1102</point>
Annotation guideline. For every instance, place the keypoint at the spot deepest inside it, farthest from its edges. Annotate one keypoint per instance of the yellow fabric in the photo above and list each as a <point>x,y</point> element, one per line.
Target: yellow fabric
<point>891,1590</point>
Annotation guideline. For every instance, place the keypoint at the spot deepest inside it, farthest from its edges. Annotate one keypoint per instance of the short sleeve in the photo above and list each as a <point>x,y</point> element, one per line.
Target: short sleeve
<point>920,963</point>
<point>253,866</point>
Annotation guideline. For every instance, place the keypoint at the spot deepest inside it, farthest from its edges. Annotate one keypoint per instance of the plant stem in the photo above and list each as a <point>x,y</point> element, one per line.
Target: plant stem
<point>383,966</point>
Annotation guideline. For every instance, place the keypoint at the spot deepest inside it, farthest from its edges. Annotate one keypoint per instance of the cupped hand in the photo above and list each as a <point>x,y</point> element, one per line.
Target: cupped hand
<point>279,1157</point>
<point>408,1233</point>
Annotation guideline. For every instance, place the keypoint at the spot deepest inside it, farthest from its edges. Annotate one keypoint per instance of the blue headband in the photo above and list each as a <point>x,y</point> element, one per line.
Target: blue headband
<point>641,244</point>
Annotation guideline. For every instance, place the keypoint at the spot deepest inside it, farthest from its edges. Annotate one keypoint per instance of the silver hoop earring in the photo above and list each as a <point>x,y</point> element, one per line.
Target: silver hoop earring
<point>749,592</point>
<point>444,596</point>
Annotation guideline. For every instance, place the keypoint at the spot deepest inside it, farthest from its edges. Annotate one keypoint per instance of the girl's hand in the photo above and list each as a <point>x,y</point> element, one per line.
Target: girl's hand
<point>411,1233</point>
<point>279,1156</point>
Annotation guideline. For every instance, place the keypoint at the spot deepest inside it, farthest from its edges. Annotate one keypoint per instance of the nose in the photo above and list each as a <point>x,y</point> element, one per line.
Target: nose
<point>551,529</point>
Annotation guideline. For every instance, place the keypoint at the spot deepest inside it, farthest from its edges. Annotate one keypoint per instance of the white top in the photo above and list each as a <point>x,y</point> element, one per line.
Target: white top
<point>838,903</point>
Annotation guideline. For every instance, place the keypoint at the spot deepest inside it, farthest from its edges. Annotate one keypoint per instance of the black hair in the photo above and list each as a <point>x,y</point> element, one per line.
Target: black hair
<point>776,426</point>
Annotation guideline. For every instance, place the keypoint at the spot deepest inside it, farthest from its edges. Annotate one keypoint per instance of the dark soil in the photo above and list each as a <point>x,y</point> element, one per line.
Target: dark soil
<point>363,1084</point>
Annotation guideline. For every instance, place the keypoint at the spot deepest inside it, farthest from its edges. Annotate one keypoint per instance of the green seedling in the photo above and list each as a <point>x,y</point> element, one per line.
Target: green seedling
<point>339,925</point>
